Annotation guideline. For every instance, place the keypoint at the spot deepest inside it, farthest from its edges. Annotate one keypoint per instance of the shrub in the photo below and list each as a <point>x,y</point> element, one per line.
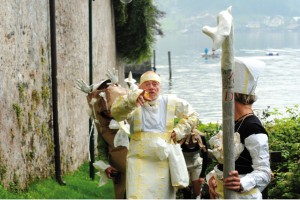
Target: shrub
<point>136,27</point>
<point>284,136</point>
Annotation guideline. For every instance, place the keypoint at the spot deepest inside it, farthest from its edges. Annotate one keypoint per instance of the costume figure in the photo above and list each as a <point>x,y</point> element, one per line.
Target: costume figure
<point>252,166</point>
<point>100,98</point>
<point>195,154</point>
<point>151,117</point>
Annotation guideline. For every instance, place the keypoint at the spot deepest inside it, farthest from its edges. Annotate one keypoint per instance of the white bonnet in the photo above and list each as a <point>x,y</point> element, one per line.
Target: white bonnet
<point>247,72</point>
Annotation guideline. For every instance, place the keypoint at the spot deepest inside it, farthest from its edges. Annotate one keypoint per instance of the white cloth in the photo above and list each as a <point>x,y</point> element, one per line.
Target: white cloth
<point>222,30</point>
<point>216,143</point>
<point>121,138</point>
<point>194,164</point>
<point>260,177</point>
<point>247,72</point>
<point>101,166</point>
<point>154,116</point>
<point>147,176</point>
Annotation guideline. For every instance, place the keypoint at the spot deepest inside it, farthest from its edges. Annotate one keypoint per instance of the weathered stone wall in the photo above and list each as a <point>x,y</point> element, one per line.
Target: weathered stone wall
<point>26,127</point>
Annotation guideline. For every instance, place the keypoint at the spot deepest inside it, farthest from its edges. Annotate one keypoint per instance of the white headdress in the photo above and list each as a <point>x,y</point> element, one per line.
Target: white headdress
<point>247,71</point>
<point>149,76</point>
<point>130,79</point>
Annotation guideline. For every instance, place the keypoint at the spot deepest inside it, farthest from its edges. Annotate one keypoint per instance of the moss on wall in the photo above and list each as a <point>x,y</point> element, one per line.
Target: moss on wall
<point>26,64</point>
<point>18,110</point>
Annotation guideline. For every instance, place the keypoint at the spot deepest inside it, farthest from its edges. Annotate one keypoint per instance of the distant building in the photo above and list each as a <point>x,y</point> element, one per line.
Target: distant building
<point>274,22</point>
<point>294,24</point>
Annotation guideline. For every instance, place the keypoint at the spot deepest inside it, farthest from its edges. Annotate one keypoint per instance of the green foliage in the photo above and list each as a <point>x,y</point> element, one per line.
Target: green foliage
<point>36,99</point>
<point>14,185</point>
<point>284,136</point>
<point>3,170</point>
<point>136,26</point>
<point>21,87</point>
<point>45,94</point>
<point>78,186</point>
<point>209,129</point>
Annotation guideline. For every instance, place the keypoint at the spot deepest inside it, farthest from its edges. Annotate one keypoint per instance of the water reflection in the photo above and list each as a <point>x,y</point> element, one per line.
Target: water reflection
<point>198,80</point>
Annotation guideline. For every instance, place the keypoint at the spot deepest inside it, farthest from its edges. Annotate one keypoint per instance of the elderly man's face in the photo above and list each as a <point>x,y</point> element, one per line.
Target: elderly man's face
<point>152,87</point>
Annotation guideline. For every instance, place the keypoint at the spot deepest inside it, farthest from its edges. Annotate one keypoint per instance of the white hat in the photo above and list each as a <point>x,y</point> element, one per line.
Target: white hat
<point>149,76</point>
<point>247,71</point>
<point>130,79</point>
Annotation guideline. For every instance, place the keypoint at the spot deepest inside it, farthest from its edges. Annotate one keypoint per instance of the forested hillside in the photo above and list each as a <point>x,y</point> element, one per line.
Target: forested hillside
<point>193,14</point>
<point>245,7</point>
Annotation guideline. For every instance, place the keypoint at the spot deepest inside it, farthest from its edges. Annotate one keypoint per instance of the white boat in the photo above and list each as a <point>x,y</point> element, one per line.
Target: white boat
<point>272,53</point>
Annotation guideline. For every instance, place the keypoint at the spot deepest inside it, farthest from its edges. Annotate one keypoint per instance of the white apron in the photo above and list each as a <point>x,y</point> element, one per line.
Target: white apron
<point>148,177</point>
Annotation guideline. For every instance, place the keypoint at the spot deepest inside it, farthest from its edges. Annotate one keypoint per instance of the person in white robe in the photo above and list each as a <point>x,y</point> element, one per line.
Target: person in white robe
<point>151,118</point>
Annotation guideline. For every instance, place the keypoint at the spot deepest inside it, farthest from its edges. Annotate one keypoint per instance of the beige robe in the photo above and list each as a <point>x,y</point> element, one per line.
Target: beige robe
<point>148,175</point>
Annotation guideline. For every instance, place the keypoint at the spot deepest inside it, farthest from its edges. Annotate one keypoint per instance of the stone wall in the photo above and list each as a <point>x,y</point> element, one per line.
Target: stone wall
<point>26,127</point>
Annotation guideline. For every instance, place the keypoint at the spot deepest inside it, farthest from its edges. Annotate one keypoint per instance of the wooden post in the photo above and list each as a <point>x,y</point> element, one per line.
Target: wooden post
<point>227,64</point>
<point>223,35</point>
<point>170,66</point>
<point>154,64</point>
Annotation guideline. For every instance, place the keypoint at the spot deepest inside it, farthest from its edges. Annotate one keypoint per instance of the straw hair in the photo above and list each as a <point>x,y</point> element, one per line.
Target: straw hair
<point>244,98</point>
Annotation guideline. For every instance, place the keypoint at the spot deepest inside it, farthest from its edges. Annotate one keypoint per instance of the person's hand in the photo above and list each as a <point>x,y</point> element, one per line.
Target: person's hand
<point>143,97</point>
<point>201,180</point>
<point>110,171</point>
<point>81,85</point>
<point>233,182</point>
<point>212,188</point>
<point>173,136</point>
<point>113,76</point>
<point>196,138</point>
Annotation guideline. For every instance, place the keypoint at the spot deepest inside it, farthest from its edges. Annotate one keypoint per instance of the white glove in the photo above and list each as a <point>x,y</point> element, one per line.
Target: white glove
<point>81,85</point>
<point>101,166</point>
<point>113,76</point>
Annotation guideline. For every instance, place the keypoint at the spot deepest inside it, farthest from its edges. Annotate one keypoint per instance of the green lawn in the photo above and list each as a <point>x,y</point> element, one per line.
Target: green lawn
<point>78,186</point>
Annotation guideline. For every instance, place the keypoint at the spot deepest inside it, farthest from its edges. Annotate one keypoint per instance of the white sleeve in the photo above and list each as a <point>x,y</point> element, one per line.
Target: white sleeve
<point>260,177</point>
<point>188,118</point>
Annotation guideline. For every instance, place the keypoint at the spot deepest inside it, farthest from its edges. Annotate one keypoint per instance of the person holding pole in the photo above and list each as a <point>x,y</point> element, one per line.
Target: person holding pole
<point>151,118</point>
<point>252,171</point>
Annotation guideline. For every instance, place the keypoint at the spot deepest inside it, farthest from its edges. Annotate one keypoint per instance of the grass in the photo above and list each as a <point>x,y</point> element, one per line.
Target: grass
<point>78,186</point>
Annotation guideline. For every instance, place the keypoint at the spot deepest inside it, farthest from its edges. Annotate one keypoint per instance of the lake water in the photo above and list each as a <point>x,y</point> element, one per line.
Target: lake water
<point>199,80</point>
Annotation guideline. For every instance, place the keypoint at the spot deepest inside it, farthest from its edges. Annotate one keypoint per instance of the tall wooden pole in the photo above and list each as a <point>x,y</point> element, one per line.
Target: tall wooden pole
<point>227,63</point>
<point>222,35</point>
<point>170,65</point>
<point>154,61</point>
